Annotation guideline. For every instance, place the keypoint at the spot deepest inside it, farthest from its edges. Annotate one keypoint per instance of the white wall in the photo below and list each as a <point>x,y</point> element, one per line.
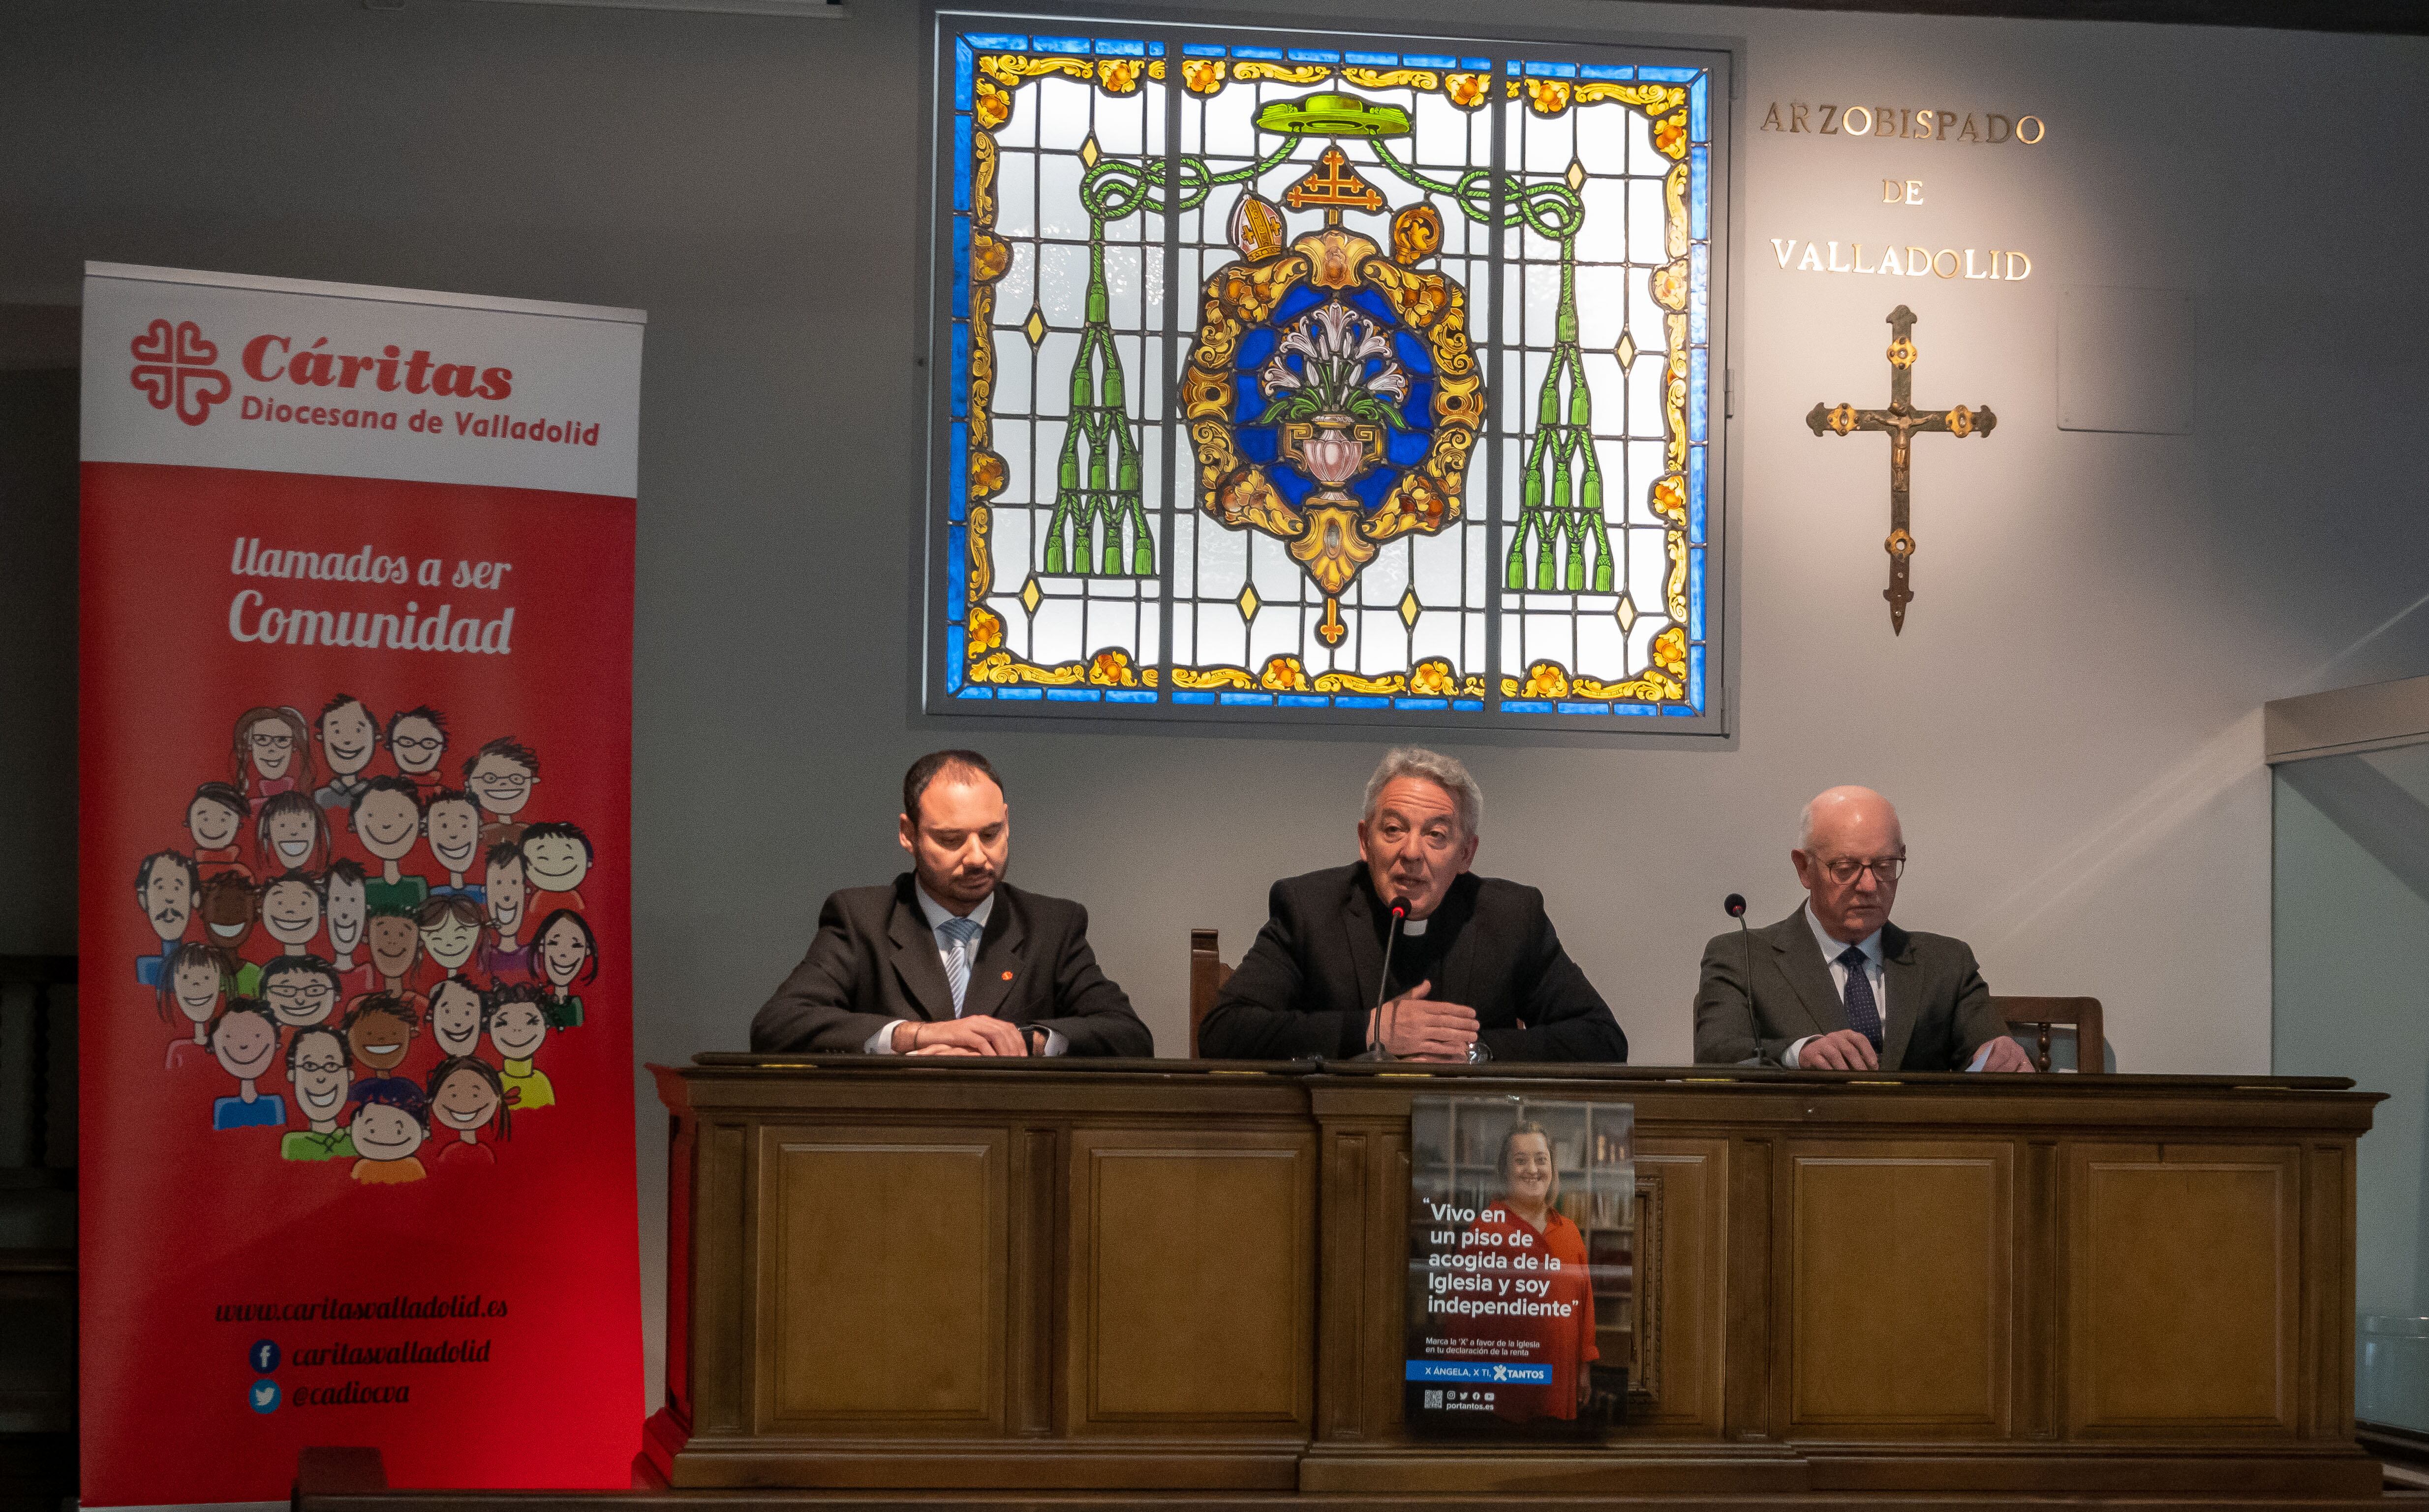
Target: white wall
<point>2070,722</point>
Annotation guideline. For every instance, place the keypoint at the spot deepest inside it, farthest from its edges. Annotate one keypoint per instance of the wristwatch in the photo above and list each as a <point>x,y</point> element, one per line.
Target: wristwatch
<point>1477,1053</point>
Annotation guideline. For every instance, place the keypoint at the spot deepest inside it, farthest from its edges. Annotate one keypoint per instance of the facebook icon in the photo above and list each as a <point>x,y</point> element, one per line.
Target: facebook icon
<point>265,1396</point>
<point>264,1355</point>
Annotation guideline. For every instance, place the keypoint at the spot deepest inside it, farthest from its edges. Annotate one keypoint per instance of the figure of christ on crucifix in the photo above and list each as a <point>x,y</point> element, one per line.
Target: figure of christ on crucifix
<point>1902,420</point>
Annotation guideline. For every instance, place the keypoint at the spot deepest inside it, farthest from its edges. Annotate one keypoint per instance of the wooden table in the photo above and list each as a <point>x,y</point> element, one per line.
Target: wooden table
<point>1163,1276</point>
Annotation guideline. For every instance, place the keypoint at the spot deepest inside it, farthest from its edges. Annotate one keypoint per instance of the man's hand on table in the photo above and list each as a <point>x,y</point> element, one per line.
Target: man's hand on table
<point>977,1035</point>
<point>1412,1027</point>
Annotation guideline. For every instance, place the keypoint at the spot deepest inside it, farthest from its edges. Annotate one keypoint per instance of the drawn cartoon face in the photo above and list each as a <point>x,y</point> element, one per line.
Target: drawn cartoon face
<point>300,998</point>
<point>321,1075</point>
<point>506,893</point>
<point>345,911</point>
<point>389,822</point>
<point>417,744</point>
<point>348,738</point>
<point>394,941</point>
<point>556,863</point>
<point>455,1016</point>
<point>517,1029</point>
<point>243,1044</point>
<point>500,783</point>
<point>272,747</point>
<point>213,823</point>
<point>196,988</point>
<point>563,950</point>
<point>454,826</point>
<point>466,1100</point>
<point>168,898</point>
<point>383,1133</point>
<point>229,906</point>
<point>292,835</point>
<point>380,1040</point>
<point>290,910</point>
<point>450,941</point>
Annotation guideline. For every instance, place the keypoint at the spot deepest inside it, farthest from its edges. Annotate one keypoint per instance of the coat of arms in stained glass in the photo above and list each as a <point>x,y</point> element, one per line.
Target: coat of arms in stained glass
<point>1368,380</point>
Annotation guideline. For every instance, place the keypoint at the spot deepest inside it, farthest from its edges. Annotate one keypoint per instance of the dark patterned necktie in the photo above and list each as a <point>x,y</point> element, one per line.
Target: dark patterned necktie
<point>1863,1014</point>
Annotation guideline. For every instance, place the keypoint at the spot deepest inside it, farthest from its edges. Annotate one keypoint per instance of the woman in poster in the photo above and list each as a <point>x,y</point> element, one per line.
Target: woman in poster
<point>1537,1243</point>
<point>272,753</point>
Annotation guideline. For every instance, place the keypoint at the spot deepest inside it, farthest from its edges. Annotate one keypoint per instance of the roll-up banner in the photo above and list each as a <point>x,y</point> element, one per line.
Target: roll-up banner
<point>354,745</point>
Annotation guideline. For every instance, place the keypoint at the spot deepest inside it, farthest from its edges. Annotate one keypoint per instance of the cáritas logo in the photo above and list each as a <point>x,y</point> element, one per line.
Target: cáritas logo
<point>172,367</point>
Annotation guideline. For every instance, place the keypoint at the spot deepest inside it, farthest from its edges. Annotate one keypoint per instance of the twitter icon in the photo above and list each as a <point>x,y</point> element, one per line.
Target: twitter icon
<point>265,1396</point>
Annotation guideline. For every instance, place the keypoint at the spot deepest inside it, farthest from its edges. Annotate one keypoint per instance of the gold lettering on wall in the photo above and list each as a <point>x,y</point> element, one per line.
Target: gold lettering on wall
<point>1989,128</point>
<point>1996,264</point>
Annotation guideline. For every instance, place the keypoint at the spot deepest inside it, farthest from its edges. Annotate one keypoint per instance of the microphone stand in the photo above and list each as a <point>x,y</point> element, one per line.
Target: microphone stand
<point>1735,905</point>
<point>1374,1045</point>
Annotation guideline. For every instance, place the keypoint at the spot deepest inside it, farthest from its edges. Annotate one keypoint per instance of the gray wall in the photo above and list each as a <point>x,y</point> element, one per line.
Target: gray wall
<point>2070,722</point>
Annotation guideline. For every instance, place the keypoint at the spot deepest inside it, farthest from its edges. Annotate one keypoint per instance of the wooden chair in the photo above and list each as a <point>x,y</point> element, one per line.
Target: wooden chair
<point>2082,1015</point>
<point>1207,975</point>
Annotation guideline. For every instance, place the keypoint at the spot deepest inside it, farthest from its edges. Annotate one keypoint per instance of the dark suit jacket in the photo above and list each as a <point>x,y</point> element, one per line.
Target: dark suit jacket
<point>1940,1009</point>
<point>1305,985</point>
<point>874,961</point>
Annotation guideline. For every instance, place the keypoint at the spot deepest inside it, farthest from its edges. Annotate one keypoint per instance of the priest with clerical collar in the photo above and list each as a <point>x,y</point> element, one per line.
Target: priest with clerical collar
<point>1475,970</point>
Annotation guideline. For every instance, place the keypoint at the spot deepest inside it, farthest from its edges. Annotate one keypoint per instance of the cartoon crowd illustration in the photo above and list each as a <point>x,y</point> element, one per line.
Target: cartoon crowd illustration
<point>375,960</point>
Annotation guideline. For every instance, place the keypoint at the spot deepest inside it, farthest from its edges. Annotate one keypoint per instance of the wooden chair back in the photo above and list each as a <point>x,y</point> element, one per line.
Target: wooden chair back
<point>1207,975</point>
<point>2041,1014</point>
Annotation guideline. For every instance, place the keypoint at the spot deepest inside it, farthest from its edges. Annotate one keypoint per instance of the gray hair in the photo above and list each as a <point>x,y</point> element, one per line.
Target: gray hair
<point>1446,772</point>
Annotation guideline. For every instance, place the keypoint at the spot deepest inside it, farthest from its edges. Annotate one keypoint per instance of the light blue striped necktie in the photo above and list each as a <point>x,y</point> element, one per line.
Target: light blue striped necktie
<point>962,936</point>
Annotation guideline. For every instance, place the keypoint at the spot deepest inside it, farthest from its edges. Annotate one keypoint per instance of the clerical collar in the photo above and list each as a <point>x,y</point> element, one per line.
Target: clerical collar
<point>1415,926</point>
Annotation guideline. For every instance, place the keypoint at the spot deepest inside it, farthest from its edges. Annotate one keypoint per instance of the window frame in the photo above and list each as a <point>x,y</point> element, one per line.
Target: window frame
<point>937,696</point>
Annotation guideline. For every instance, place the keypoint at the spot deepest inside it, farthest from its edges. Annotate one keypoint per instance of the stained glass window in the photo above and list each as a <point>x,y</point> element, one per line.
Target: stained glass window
<point>1326,377</point>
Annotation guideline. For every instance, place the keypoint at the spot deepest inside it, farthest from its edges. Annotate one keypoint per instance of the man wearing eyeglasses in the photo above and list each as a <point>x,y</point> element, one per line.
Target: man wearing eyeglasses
<point>1835,986</point>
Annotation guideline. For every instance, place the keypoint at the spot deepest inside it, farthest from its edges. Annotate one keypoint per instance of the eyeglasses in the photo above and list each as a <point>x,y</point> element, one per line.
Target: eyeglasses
<point>1846,868</point>
<point>272,742</point>
<point>298,995</point>
<point>503,779</point>
<point>415,742</point>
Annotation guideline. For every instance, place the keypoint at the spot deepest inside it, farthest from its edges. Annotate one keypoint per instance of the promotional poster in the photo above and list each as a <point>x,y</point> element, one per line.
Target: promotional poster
<point>355,1043</point>
<point>1522,1227</point>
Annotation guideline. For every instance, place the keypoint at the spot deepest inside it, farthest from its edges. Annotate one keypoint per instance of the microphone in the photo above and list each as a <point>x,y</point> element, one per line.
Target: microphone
<point>1735,907</point>
<point>1399,915</point>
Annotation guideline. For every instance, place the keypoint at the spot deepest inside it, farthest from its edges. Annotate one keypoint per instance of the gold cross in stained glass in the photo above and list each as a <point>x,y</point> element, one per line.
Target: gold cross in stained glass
<point>1903,421</point>
<point>1333,185</point>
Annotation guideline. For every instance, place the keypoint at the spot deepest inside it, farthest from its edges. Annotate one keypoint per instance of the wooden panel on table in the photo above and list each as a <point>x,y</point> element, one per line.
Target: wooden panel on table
<point>1193,1284</point>
<point>1900,1315</point>
<point>2182,1294</point>
<point>882,1270</point>
<point>1676,1378</point>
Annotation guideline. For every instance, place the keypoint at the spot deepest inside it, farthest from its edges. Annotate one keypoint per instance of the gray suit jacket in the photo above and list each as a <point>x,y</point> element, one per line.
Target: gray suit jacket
<point>874,961</point>
<point>1940,1009</point>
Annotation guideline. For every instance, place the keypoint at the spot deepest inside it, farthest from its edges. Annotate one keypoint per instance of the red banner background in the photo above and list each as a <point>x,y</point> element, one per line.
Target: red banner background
<point>198,1245</point>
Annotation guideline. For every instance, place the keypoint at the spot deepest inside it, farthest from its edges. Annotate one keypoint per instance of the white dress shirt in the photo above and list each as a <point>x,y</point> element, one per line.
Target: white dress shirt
<point>1831,951</point>
<point>882,1042</point>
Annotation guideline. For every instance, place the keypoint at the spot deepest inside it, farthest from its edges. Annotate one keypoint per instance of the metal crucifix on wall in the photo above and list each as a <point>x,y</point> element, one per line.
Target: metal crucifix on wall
<point>1902,420</point>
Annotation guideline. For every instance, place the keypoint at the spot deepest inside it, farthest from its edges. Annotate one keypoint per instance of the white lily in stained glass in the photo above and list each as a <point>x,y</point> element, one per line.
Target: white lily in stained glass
<point>1335,345</point>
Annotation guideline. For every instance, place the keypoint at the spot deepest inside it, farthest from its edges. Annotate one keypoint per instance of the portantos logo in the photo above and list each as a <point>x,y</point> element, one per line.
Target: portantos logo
<point>172,367</point>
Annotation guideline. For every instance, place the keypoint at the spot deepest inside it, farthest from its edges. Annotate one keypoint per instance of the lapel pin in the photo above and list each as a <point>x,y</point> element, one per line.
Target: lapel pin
<point>1007,976</point>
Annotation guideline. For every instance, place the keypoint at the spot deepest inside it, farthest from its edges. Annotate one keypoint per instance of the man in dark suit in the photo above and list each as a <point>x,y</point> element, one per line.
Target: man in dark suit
<point>1476,973</point>
<point>951,959</point>
<point>1835,986</point>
